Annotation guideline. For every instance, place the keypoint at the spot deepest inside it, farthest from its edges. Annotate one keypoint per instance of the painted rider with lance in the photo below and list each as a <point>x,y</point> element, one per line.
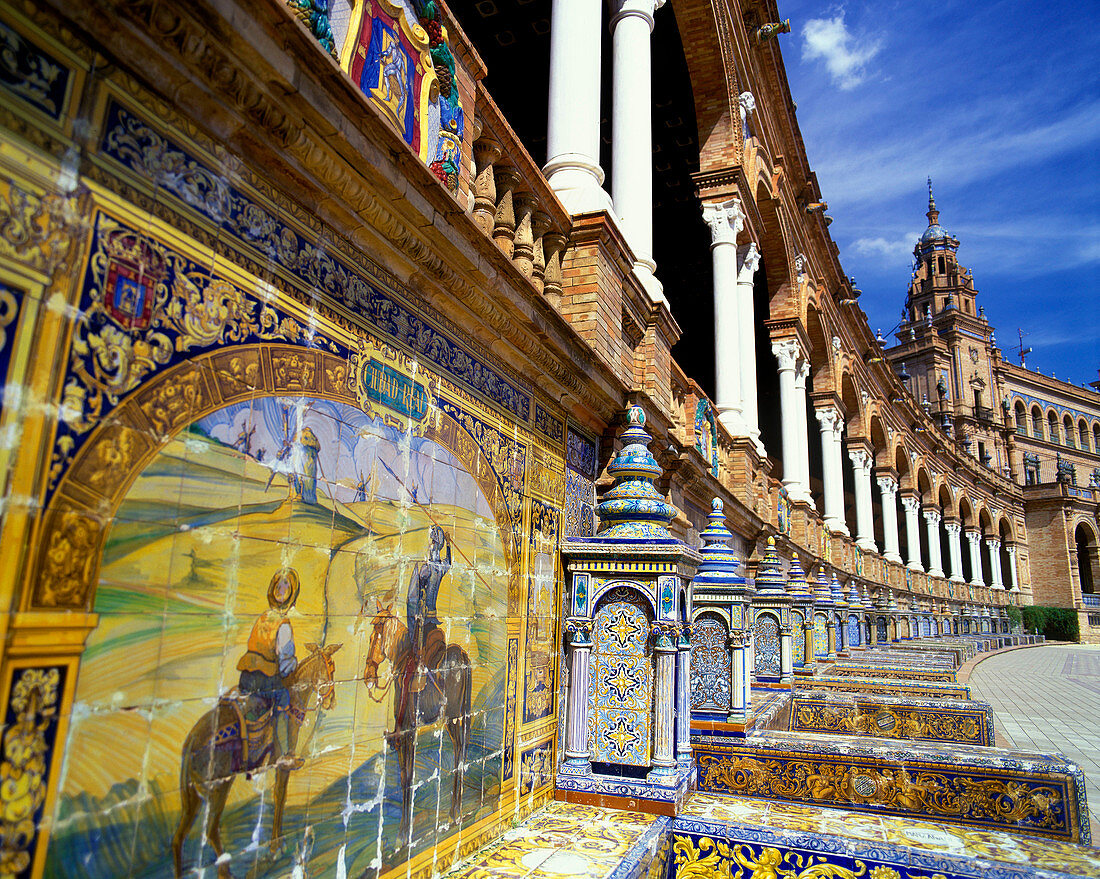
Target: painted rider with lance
<point>426,640</point>
<point>270,659</point>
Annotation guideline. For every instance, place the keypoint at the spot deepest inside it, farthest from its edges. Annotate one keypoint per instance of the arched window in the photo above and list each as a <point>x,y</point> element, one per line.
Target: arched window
<point>1036,422</point>
<point>940,265</point>
<point>1083,434</point>
<point>1085,542</point>
<point>1068,433</point>
<point>1096,438</point>
<point>1052,424</point>
<point>1021,419</point>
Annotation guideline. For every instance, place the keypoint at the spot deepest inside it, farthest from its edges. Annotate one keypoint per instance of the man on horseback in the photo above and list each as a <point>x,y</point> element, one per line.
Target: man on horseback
<point>426,641</point>
<point>270,658</point>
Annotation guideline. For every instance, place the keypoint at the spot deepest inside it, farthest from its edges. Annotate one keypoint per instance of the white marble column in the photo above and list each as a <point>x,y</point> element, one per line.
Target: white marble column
<point>683,696</point>
<point>664,652</point>
<point>1014,581</point>
<point>994,545</point>
<point>865,527</point>
<point>632,132</point>
<point>576,743</point>
<point>831,425</point>
<point>801,373</point>
<point>787,353</point>
<point>573,122</point>
<point>935,557</point>
<point>748,261</point>
<point>912,523</point>
<point>889,488</point>
<point>725,221</point>
<point>975,540</point>
<point>954,550</point>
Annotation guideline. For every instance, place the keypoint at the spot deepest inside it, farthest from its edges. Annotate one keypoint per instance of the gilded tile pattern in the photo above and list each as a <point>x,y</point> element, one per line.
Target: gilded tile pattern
<point>621,685</point>
<point>710,664</point>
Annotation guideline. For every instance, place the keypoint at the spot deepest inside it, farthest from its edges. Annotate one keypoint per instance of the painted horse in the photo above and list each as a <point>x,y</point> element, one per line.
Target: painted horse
<point>436,688</point>
<point>213,753</point>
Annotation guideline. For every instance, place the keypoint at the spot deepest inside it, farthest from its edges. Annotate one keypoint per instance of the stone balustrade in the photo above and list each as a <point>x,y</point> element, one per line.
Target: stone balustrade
<point>513,204</point>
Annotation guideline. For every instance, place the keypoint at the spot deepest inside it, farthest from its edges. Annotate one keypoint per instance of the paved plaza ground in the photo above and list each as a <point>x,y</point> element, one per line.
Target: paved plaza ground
<point>1048,699</point>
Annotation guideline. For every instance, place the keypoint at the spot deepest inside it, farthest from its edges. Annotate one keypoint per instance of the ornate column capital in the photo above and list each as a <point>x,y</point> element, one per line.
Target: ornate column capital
<point>974,537</point>
<point>911,504</point>
<point>888,484</point>
<point>953,528</point>
<point>643,9</point>
<point>579,633</point>
<point>787,352</point>
<point>993,543</point>
<point>828,417</point>
<point>861,460</point>
<point>932,517</point>
<point>725,221</point>
<point>801,373</point>
<point>748,258</point>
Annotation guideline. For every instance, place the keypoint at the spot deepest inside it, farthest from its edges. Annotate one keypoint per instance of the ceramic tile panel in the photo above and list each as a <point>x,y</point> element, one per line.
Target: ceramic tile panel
<point>710,664</point>
<point>311,548</point>
<point>621,682</point>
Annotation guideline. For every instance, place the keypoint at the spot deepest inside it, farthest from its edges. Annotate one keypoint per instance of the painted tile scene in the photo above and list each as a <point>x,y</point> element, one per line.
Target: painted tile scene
<point>441,440</point>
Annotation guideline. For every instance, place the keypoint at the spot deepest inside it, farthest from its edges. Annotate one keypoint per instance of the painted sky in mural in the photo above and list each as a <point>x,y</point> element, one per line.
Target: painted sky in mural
<point>350,504</point>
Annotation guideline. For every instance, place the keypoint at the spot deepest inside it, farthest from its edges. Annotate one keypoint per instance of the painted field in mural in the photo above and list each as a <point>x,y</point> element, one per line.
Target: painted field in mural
<point>292,552</point>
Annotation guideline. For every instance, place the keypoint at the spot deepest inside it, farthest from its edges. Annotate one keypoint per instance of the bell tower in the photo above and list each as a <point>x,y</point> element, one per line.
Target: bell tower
<point>946,351</point>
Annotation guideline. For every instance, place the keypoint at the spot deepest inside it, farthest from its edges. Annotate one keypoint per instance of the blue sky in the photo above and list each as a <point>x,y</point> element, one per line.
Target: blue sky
<point>1000,104</point>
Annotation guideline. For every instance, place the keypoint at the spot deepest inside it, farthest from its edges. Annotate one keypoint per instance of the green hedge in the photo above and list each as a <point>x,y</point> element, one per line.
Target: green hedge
<point>1057,623</point>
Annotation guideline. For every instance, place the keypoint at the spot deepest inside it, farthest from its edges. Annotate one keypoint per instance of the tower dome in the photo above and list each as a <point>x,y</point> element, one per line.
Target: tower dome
<point>935,237</point>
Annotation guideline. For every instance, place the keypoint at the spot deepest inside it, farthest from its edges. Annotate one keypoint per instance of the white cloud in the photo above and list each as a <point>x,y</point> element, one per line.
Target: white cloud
<point>890,251</point>
<point>844,55</point>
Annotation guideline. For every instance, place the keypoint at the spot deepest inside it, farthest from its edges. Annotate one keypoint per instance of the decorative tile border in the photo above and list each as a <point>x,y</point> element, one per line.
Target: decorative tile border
<point>1043,796</point>
<point>968,723</point>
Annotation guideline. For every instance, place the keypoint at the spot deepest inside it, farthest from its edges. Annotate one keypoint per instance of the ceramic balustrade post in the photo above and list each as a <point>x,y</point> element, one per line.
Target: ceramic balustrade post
<point>974,538</point>
<point>736,646</point>
<point>829,418</point>
<point>573,107</point>
<point>865,528</point>
<point>576,743</point>
<point>486,154</point>
<point>725,221</point>
<point>663,761</point>
<point>889,488</point>
<point>748,261</point>
<point>801,374</point>
<point>912,523</point>
<point>808,635</point>
<point>504,222</point>
<point>932,522</point>
<point>683,694</point>
<point>787,353</point>
<point>830,631</point>
<point>632,132</point>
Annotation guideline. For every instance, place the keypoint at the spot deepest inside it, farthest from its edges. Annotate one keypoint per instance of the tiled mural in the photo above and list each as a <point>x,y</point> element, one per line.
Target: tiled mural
<point>299,553</point>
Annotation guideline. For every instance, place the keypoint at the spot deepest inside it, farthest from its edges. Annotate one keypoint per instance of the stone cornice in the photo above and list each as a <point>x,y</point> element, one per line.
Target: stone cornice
<point>329,149</point>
